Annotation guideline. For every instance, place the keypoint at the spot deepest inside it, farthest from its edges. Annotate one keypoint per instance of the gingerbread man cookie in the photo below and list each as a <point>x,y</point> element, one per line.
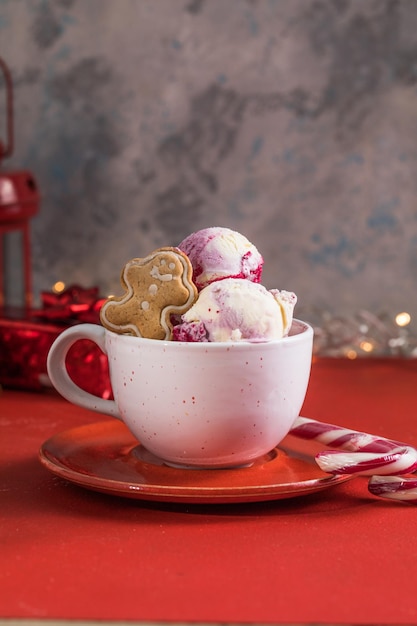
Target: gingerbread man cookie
<point>157,286</point>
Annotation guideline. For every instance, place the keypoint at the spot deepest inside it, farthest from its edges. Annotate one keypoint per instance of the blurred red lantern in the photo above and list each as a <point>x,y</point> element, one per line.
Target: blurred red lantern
<point>19,197</point>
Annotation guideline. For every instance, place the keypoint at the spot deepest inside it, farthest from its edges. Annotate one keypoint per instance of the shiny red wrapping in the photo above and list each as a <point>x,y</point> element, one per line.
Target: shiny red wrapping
<point>26,336</point>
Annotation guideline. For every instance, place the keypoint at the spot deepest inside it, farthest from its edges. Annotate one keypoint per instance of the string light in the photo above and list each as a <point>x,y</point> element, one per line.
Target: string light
<point>366,346</point>
<point>351,354</point>
<point>363,334</point>
<point>403,319</point>
<point>58,287</point>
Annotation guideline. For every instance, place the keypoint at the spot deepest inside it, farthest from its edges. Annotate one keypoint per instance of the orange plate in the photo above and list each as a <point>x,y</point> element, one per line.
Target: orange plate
<point>105,457</point>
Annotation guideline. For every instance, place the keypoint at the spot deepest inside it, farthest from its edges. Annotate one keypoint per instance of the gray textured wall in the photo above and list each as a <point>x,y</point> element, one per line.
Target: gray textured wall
<point>292,121</point>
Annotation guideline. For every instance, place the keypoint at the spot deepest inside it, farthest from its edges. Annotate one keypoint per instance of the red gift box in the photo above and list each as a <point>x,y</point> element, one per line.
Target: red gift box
<point>26,336</point>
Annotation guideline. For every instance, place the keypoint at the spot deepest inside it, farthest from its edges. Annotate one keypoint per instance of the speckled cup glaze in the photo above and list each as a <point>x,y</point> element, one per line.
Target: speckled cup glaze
<point>196,404</point>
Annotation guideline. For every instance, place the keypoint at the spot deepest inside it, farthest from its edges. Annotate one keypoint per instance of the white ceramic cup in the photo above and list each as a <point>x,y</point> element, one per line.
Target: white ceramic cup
<point>196,404</point>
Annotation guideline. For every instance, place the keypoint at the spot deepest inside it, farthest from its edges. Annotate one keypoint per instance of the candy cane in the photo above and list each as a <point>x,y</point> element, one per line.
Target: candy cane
<point>399,461</point>
<point>394,488</point>
<point>365,454</point>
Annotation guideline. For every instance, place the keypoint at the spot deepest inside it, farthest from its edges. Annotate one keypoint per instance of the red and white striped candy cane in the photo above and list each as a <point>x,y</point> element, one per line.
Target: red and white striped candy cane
<point>364,454</point>
<point>394,488</point>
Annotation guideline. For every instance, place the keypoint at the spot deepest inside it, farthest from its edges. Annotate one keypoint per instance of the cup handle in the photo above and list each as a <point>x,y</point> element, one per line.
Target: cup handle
<point>58,373</point>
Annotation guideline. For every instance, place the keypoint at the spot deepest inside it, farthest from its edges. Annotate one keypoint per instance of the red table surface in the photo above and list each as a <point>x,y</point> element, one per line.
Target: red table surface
<point>338,556</point>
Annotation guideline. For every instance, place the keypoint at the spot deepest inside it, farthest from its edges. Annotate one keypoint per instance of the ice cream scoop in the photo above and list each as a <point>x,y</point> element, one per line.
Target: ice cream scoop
<point>236,309</point>
<point>217,253</point>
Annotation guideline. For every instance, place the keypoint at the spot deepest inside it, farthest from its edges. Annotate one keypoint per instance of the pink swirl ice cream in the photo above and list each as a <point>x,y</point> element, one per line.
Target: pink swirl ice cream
<point>217,253</point>
<point>236,309</point>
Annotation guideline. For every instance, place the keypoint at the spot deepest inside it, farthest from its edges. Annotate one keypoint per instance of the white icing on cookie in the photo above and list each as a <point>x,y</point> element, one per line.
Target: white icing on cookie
<point>156,274</point>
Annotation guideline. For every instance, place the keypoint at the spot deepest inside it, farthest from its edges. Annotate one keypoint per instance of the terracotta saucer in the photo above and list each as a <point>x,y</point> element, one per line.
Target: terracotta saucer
<point>105,457</point>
